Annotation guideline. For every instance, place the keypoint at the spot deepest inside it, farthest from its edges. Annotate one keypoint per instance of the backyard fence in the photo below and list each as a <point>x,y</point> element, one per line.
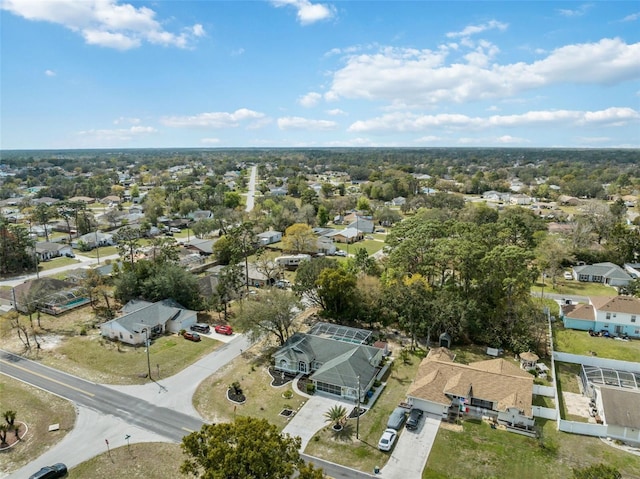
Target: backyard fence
<point>597,362</point>
<point>548,391</point>
<point>544,412</point>
<point>584,428</point>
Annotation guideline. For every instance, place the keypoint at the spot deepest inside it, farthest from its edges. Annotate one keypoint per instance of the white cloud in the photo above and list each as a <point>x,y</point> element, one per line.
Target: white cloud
<point>336,112</point>
<point>126,120</point>
<point>210,141</point>
<point>422,77</point>
<point>577,12</point>
<point>117,135</point>
<point>475,29</point>
<point>508,139</point>
<point>50,73</point>
<point>299,123</point>
<point>218,119</point>
<point>631,18</point>
<point>237,52</point>
<point>106,23</point>
<point>428,139</point>
<point>408,122</point>
<point>308,12</point>
<point>309,100</point>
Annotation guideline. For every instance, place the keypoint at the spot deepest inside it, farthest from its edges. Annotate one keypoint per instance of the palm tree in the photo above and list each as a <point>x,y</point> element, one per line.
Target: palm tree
<point>336,415</point>
<point>9,416</point>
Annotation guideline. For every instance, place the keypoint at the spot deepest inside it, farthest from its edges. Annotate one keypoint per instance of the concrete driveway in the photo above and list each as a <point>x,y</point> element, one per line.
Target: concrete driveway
<point>310,418</point>
<point>410,454</point>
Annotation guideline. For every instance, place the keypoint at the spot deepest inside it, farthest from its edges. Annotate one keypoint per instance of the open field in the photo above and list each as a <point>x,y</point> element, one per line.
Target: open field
<point>579,342</point>
<point>37,409</point>
<point>141,461</point>
<point>363,454</point>
<point>481,452</point>
<point>263,400</point>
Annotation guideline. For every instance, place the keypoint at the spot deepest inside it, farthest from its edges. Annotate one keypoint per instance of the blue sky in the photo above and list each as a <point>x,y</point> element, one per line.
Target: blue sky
<point>300,73</point>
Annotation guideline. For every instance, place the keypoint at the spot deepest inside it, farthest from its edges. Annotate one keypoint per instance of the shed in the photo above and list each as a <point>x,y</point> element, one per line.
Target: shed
<point>445,340</point>
<point>528,360</point>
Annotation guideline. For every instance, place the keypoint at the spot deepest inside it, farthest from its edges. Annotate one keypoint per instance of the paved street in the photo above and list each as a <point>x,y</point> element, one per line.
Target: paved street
<point>252,189</point>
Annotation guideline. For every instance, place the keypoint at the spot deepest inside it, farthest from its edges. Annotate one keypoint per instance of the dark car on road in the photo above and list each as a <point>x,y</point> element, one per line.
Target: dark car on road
<point>397,418</point>
<point>414,419</point>
<point>50,472</point>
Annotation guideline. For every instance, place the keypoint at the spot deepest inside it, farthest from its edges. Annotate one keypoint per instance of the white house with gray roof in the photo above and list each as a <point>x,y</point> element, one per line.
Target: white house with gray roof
<point>336,367</point>
<point>605,273</point>
<point>156,318</point>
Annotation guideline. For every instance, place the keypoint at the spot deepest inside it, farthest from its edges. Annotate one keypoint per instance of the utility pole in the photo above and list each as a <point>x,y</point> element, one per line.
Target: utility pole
<point>146,330</point>
<point>97,247</point>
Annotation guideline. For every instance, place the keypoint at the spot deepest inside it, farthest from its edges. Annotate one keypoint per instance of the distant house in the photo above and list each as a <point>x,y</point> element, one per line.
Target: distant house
<point>201,215</point>
<point>338,219</point>
<point>258,278</point>
<point>496,196</point>
<point>93,240</point>
<point>292,262</point>
<point>269,237</point>
<point>113,199</point>
<point>83,199</point>
<point>619,315</point>
<point>364,225</point>
<point>279,191</point>
<point>494,388</point>
<point>569,200</point>
<point>520,199</point>
<point>633,269</point>
<point>46,200</point>
<point>399,201</point>
<point>48,250</point>
<point>325,245</point>
<point>605,273</point>
<point>203,247</point>
<point>155,318</point>
<point>347,235</point>
<point>336,367</point>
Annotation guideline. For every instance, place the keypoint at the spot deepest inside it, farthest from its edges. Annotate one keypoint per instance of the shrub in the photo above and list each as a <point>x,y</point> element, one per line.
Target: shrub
<point>311,388</point>
<point>287,394</point>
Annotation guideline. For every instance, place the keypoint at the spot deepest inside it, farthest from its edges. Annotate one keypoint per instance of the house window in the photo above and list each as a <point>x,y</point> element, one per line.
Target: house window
<point>302,366</point>
<point>583,277</point>
<point>120,335</point>
<point>608,315</point>
<point>633,318</point>
<point>482,403</point>
<point>329,388</point>
<point>315,365</point>
<point>597,279</point>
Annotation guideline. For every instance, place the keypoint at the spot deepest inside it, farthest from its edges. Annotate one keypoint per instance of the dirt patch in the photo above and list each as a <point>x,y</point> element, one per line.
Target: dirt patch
<point>280,378</point>
<point>451,427</point>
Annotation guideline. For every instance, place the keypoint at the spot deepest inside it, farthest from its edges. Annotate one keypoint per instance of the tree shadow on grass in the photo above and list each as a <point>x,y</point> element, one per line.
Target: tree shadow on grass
<point>345,434</point>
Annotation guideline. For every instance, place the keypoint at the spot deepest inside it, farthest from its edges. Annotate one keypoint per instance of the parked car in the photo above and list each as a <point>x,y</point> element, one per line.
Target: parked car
<point>224,329</point>
<point>568,275</point>
<point>388,438</point>
<point>414,418</point>
<point>341,253</point>
<point>201,328</point>
<point>191,336</point>
<point>174,230</point>
<point>397,418</point>
<point>50,472</point>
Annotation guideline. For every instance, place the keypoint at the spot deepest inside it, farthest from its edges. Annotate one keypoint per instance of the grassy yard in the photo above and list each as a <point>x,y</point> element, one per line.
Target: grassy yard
<point>38,410</point>
<point>579,342</point>
<point>579,288</point>
<point>97,359</point>
<point>481,452</point>
<point>56,263</point>
<point>104,251</point>
<point>263,400</point>
<point>140,461</point>
<point>363,454</point>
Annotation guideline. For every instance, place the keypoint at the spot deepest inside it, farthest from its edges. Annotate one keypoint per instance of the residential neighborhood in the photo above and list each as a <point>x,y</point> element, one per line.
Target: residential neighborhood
<point>380,329</point>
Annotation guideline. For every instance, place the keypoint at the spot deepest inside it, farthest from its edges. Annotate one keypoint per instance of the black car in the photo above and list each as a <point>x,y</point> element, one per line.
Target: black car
<point>50,472</point>
<point>414,419</point>
<point>201,328</point>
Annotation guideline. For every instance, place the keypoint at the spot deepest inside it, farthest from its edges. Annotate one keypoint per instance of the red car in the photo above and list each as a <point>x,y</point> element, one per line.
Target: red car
<point>191,336</point>
<point>224,329</point>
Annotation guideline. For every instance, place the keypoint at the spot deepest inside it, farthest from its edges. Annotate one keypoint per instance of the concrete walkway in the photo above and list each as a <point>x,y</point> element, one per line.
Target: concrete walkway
<point>310,418</point>
<point>412,449</point>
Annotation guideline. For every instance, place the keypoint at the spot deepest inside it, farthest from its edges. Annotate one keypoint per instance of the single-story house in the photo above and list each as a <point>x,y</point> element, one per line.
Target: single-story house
<point>633,269</point>
<point>46,200</point>
<point>278,191</point>
<point>111,199</point>
<point>399,201</point>
<point>48,250</point>
<point>520,199</point>
<point>269,237</point>
<point>93,240</point>
<point>605,273</point>
<point>200,215</point>
<point>49,295</point>
<point>619,315</point>
<point>496,196</point>
<point>619,409</point>
<point>203,247</point>
<point>347,235</point>
<point>495,388</point>
<point>363,225</point>
<point>325,245</point>
<point>140,318</point>
<point>569,200</point>
<point>82,199</point>
<point>335,367</point>
<point>258,278</point>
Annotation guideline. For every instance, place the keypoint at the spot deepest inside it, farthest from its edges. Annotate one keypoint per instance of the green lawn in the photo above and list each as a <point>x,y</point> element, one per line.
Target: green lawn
<point>104,251</point>
<point>97,359</point>
<point>56,263</point>
<point>363,454</point>
<point>481,452</point>
<point>579,342</point>
<point>579,288</point>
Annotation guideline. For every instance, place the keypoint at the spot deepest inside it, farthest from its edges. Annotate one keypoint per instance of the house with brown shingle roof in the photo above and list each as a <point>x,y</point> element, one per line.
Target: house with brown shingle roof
<point>494,388</point>
<point>619,315</point>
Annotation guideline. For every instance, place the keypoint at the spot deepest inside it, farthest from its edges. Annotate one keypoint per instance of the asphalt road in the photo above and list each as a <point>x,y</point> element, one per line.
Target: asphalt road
<point>165,422</point>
